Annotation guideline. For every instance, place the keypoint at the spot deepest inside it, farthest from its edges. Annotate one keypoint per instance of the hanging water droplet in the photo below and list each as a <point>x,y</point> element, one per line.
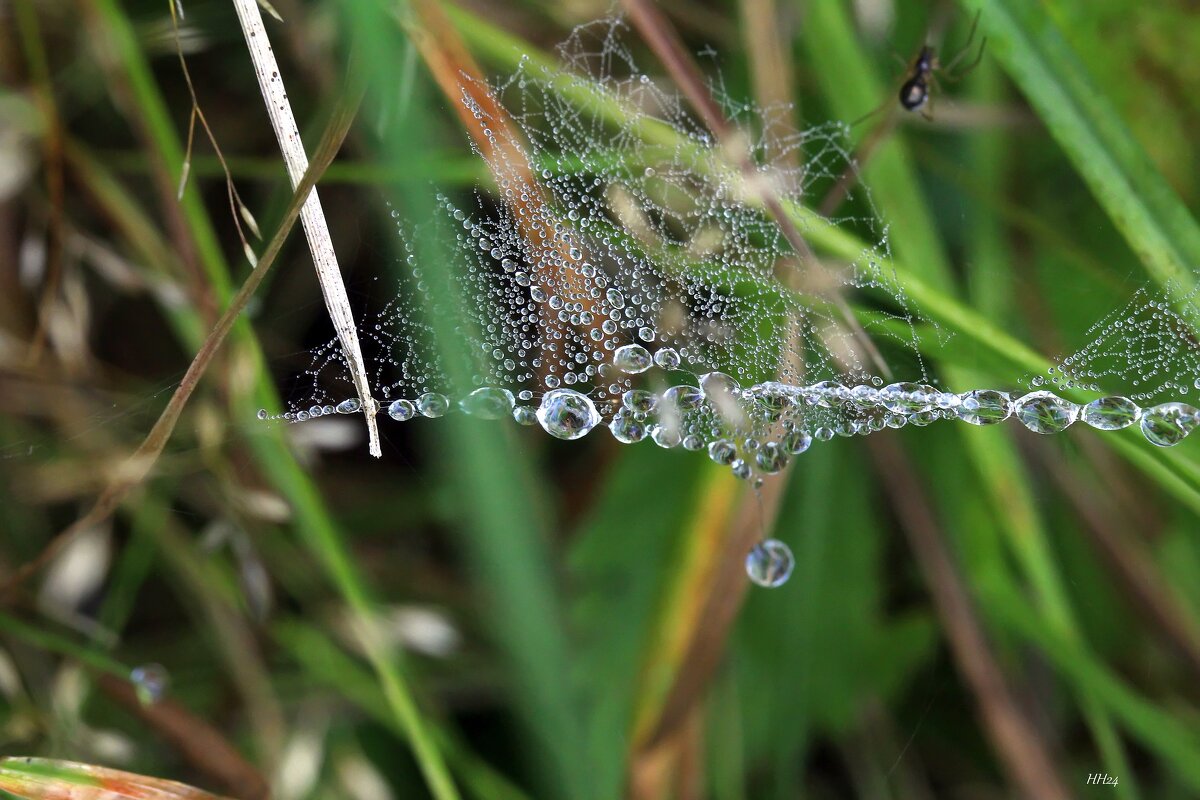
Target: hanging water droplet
<point>262,413</point>
<point>626,429</point>
<point>402,410</point>
<point>433,405</point>
<point>1111,413</point>
<point>150,683</point>
<point>667,358</point>
<point>525,415</point>
<point>769,563</point>
<point>1168,424</point>
<point>771,458</point>
<point>722,451</point>
<point>1045,412</point>
<point>488,402</point>
<point>666,436</point>
<point>718,385</point>
<point>567,414</point>
<point>985,407</point>
<point>349,406</point>
<point>632,358</point>
<point>796,442</point>
<point>684,398</point>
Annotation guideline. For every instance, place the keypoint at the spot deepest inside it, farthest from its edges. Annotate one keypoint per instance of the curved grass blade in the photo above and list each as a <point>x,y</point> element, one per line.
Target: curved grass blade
<point>1142,205</point>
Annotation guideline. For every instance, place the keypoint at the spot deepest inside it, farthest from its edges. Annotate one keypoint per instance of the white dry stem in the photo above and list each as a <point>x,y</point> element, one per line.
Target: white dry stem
<point>311,215</point>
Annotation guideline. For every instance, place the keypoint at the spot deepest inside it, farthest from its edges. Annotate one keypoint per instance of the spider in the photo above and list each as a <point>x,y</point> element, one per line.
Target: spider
<point>914,92</point>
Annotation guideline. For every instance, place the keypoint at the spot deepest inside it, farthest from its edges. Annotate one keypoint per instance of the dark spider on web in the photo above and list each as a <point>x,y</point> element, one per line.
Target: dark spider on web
<point>915,91</point>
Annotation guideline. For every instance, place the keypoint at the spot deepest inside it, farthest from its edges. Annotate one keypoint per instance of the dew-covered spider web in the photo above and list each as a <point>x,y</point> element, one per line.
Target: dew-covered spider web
<point>630,269</point>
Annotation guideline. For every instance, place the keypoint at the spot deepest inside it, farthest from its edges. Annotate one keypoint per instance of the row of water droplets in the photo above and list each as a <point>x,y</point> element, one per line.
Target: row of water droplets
<point>755,430</point>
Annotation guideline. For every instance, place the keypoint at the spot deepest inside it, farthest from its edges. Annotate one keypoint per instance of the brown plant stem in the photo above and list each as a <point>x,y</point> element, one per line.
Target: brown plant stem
<point>195,740</point>
<point>1020,746</point>
<point>1108,526</point>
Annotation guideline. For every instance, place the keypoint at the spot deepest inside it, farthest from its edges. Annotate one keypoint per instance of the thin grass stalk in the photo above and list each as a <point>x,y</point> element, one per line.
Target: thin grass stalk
<point>320,244</point>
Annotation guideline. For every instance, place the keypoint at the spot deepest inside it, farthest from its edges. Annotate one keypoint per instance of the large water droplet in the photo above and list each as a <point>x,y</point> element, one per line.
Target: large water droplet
<point>1111,413</point>
<point>632,358</point>
<point>985,407</point>
<point>796,442</point>
<point>1045,412</point>
<point>626,429</point>
<point>488,402</point>
<point>349,406</point>
<point>722,451</point>
<point>771,458</point>
<point>433,405</point>
<point>770,563</point>
<point>667,358</point>
<point>717,385</point>
<point>401,410</point>
<point>829,393</point>
<point>567,414</point>
<point>667,436</point>
<point>907,398</point>
<point>525,415</point>
<point>150,683</point>
<point>639,401</point>
<point>684,398</point>
<point>1168,424</point>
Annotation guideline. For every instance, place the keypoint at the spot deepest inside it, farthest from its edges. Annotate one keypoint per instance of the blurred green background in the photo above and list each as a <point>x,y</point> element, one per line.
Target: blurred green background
<point>486,612</point>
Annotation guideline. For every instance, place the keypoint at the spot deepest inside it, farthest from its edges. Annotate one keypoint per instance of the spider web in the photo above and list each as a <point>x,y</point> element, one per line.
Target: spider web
<point>645,229</point>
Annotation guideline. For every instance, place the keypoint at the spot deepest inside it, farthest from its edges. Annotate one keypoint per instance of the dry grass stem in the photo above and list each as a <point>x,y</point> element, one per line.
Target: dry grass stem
<point>283,121</point>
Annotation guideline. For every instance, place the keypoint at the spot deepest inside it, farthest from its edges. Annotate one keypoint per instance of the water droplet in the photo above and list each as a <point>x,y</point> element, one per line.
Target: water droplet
<point>771,458</point>
<point>262,413</point>
<point>907,398</point>
<point>433,405</point>
<point>684,398</point>
<point>1045,412</point>
<point>401,410</point>
<point>722,451</point>
<point>769,563</point>
<point>632,358</point>
<point>828,393</point>
<point>150,682</point>
<point>488,402</point>
<point>985,407</point>
<point>667,358</point>
<point>349,406</point>
<point>525,415</point>
<point>1168,424</point>
<point>639,401</point>
<point>626,429</point>
<point>796,442</point>
<point>718,385</point>
<point>666,436</point>
<point>567,414</point>
<point>1111,413</point>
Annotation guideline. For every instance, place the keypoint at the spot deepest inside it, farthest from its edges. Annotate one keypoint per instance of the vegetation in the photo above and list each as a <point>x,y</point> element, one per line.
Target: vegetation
<point>487,612</point>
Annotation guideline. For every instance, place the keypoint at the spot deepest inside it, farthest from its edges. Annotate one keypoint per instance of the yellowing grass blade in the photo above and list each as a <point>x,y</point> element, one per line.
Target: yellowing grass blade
<point>46,779</point>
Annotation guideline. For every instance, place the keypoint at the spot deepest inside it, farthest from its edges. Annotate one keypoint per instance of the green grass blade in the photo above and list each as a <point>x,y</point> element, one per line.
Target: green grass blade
<point>1122,177</point>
